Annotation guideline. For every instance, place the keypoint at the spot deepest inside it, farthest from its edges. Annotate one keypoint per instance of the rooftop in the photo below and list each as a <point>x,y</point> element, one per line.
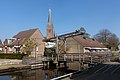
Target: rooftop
<point>25,34</point>
<point>88,42</point>
<point>101,72</point>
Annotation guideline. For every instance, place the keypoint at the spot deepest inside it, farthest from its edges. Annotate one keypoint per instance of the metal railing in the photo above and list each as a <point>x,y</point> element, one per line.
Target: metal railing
<point>84,57</point>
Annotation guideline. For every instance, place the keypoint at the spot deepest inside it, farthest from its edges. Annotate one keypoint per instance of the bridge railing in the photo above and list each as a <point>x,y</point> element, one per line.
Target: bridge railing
<point>91,57</point>
<point>81,57</point>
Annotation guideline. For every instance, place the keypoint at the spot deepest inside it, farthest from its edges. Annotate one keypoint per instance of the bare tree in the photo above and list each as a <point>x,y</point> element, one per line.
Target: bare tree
<point>108,39</point>
<point>113,42</point>
<point>103,36</point>
<point>29,45</point>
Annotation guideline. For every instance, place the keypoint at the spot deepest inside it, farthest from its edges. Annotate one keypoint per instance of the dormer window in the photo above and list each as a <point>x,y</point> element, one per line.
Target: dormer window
<point>84,37</point>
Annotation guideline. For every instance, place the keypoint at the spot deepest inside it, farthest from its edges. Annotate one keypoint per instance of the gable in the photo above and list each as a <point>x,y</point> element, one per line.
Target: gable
<point>37,35</point>
<point>23,35</point>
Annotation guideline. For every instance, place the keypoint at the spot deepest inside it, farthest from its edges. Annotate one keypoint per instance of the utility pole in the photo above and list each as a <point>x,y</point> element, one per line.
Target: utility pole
<point>56,44</point>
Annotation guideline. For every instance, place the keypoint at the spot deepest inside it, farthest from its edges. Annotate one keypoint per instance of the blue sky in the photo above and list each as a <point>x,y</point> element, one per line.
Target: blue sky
<point>67,16</point>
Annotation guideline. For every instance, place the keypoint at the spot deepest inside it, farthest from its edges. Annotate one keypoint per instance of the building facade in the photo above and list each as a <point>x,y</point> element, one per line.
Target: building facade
<point>79,44</point>
<point>16,43</point>
<point>1,46</point>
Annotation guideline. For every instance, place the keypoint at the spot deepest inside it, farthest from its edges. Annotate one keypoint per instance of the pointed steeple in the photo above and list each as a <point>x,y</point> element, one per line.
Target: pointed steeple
<point>50,28</point>
<point>49,17</point>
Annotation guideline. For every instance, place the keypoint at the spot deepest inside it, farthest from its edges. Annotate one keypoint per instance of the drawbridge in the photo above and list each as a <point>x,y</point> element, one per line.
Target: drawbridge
<point>89,58</point>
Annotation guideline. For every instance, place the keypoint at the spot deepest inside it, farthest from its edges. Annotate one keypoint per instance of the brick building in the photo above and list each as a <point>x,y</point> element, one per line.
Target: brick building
<point>79,44</point>
<point>16,43</point>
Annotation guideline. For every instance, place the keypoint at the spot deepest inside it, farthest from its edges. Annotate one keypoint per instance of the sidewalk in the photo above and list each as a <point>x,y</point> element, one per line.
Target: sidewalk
<point>7,66</point>
<point>9,61</point>
<point>12,65</point>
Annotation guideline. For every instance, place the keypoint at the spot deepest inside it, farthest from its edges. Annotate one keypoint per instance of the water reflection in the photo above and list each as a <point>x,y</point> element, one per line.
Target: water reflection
<point>38,74</point>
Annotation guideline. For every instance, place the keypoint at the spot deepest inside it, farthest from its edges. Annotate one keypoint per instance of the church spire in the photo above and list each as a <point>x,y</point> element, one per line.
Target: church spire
<point>50,28</point>
<point>49,17</point>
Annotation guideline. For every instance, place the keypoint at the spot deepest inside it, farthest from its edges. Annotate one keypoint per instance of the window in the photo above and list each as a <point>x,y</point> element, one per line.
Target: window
<point>36,48</point>
<point>49,31</point>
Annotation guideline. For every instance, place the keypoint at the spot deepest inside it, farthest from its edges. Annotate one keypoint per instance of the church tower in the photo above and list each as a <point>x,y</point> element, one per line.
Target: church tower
<point>50,28</point>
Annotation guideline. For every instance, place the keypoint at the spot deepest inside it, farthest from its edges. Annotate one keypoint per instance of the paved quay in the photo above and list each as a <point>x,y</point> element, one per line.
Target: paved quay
<point>7,66</point>
<point>12,65</point>
<point>10,61</point>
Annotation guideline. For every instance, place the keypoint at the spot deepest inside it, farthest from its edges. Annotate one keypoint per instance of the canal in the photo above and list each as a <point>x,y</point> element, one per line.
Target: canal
<point>41,73</point>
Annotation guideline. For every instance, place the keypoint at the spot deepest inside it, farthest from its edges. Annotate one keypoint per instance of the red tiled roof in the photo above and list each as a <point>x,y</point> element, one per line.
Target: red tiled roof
<point>88,42</point>
<point>25,34</point>
<point>21,36</point>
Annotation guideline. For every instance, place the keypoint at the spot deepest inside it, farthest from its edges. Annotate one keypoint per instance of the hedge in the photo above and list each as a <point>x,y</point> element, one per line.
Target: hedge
<point>12,56</point>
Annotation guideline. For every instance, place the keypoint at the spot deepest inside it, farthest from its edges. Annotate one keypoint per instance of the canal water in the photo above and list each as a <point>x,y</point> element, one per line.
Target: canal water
<point>41,74</point>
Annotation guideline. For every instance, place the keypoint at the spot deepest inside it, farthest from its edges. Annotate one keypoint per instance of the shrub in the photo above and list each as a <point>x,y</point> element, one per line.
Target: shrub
<point>12,56</point>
